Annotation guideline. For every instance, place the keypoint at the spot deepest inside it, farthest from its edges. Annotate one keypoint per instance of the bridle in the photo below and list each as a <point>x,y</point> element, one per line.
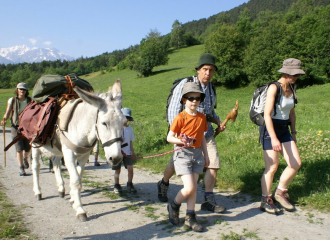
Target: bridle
<point>107,143</point>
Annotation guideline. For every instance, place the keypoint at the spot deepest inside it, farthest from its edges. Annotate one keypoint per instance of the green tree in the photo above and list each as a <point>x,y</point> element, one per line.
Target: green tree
<point>177,35</point>
<point>152,53</point>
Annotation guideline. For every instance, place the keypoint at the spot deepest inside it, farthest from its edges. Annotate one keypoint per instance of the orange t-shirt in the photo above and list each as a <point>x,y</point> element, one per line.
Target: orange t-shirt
<point>192,126</point>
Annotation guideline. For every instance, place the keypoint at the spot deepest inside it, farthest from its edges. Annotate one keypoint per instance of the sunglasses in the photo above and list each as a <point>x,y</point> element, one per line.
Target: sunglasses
<point>191,99</point>
<point>296,75</point>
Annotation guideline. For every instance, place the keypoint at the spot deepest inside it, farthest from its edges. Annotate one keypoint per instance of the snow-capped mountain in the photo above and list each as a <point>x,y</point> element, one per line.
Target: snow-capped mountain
<point>23,53</point>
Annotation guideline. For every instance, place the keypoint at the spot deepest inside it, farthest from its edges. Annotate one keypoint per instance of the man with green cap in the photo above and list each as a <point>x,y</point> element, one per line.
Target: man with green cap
<point>205,69</point>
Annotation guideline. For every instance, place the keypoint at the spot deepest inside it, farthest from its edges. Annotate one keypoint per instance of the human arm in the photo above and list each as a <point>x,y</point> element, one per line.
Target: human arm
<point>171,138</point>
<point>269,105</point>
<point>292,120</point>
<point>132,149</point>
<point>205,153</point>
<point>7,113</point>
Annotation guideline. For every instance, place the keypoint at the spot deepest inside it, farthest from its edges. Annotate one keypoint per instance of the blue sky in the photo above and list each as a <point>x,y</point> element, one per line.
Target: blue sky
<point>91,27</point>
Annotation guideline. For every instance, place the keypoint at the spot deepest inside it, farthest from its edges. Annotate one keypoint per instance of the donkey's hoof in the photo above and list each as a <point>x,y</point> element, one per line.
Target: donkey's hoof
<point>82,217</point>
<point>39,197</point>
<point>61,194</point>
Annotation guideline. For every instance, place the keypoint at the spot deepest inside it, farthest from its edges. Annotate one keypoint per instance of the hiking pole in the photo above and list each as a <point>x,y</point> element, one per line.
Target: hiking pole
<point>4,143</point>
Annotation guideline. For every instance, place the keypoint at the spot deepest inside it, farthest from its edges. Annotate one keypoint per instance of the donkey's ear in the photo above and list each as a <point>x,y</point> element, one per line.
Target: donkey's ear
<point>116,89</point>
<point>90,98</point>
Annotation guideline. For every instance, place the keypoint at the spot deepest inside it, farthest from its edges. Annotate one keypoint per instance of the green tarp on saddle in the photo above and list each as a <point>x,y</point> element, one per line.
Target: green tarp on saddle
<point>56,85</point>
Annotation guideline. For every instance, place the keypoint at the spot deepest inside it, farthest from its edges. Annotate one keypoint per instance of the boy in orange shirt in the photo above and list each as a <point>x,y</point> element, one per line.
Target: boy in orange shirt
<point>188,130</point>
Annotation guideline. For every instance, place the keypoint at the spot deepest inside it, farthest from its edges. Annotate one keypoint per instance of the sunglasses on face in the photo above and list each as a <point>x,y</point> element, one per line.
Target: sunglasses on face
<point>191,99</point>
<point>296,75</point>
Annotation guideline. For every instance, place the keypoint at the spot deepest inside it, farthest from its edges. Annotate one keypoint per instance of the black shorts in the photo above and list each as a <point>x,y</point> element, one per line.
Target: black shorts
<point>21,145</point>
<point>127,161</point>
<point>282,132</point>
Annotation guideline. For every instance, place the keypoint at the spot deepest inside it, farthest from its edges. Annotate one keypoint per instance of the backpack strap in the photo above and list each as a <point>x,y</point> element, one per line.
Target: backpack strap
<point>278,94</point>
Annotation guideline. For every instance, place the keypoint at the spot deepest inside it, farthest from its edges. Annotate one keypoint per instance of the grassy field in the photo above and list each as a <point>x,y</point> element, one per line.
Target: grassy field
<point>241,154</point>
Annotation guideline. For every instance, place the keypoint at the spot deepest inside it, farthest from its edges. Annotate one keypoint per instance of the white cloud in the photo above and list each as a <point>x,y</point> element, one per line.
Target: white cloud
<point>33,41</point>
<point>48,43</point>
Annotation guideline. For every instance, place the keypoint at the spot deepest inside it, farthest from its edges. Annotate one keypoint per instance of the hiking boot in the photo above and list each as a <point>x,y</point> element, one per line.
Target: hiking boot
<point>22,171</point>
<point>131,188</point>
<point>209,204</point>
<point>26,163</point>
<point>267,205</point>
<point>191,222</point>
<point>282,198</point>
<point>173,213</point>
<point>117,188</point>
<point>162,191</point>
<point>97,164</point>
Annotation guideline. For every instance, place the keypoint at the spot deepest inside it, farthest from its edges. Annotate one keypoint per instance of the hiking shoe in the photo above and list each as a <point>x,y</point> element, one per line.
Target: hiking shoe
<point>191,222</point>
<point>209,204</point>
<point>131,188</point>
<point>267,205</point>
<point>173,213</point>
<point>282,198</point>
<point>22,171</point>
<point>162,191</point>
<point>117,188</point>
<point>97,164</point>
<point>26,163</point>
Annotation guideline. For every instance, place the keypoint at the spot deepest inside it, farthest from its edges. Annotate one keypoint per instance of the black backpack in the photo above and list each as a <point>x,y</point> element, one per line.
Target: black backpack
<point>259,99</point>
<point>176,83</point>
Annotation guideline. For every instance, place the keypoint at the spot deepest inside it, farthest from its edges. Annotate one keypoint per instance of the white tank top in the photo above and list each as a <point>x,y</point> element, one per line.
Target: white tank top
<point>283,109</point>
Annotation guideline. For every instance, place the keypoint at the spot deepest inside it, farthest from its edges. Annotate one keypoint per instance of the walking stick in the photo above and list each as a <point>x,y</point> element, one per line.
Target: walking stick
<point>4,143</point>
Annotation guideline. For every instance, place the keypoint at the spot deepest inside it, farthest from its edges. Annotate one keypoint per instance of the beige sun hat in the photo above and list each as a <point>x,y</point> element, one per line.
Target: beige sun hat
<point>189,87</point>
<point>22,86</point>
<point>291,66</point>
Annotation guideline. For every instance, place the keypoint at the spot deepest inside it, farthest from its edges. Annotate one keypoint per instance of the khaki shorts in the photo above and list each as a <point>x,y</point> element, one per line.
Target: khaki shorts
<point>212,152</point>
<point>127,161</point>
<point>188,160</point>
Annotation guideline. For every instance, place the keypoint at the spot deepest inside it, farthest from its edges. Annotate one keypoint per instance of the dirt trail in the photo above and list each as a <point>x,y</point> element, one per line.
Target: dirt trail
<point>142,216</point>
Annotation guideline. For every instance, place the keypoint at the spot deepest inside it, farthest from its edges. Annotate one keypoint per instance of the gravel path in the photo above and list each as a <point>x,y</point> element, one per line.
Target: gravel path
<point>141,216</point>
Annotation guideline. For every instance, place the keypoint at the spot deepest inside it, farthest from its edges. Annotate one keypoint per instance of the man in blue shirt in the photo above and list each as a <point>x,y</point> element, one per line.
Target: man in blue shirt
<point>205,70</point>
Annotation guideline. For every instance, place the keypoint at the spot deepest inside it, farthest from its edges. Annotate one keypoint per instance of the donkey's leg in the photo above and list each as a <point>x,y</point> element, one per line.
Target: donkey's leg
<point>58,176</point>
<point>35,172</point>
<point>74,185</point>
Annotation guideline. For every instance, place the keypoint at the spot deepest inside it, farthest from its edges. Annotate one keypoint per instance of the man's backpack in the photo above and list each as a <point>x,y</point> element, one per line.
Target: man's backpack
<point>176,83</point>
<point>258,103</point>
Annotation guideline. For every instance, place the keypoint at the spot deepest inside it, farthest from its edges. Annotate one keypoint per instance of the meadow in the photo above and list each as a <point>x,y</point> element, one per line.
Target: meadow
<point>240,151</point>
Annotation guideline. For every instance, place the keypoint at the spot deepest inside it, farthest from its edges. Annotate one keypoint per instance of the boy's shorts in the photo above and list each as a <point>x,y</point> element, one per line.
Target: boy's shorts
<point>188,160</point>
<point>127,161</point>
<point>21,145</point>
<point>212,151</point>
<point>282,132</point>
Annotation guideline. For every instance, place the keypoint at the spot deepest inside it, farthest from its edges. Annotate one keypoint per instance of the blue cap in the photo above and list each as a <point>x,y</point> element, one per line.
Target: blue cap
<point>127,113</point>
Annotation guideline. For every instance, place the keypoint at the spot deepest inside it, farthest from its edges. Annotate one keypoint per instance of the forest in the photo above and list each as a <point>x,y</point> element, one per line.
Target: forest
<point>250,42</point>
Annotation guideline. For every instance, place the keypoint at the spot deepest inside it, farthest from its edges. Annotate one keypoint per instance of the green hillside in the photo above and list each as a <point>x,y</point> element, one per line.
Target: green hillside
<point>241,154</point>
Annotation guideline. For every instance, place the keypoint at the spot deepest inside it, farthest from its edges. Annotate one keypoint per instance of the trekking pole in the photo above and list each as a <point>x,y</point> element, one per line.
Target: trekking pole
<point>4,143</point>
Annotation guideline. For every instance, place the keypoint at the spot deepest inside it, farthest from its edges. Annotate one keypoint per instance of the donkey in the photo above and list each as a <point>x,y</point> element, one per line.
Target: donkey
<point>94,119</point>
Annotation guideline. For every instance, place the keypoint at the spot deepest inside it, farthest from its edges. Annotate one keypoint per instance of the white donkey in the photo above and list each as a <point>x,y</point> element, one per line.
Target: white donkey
<point>96,118</point>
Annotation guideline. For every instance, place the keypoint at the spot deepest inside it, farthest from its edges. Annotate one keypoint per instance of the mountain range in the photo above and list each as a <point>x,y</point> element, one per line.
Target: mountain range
<point>23,53</point>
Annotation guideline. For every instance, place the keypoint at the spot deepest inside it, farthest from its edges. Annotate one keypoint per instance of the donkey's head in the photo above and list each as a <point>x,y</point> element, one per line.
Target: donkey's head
<point>110,121</point>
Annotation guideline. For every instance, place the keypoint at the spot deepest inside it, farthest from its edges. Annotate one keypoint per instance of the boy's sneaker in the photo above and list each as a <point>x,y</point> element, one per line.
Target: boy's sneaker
<point>191,222</point>
<point>117,188</point>
<point>26,163</point>
<point>173,213</point>
<point>267,205</point>
<point>282,198</point>
<point>22,171</point>
<point>162,191</point>
<point>209,204</point>
<point>131,188</point>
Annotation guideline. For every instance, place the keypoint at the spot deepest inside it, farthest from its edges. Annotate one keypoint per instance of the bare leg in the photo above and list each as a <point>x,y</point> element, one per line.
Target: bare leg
<point>117,173</point>
<point>130,173</point>
<point>189,190</point>
<point>271,159</point>
<point>209,179</point>
<point>168,173</point>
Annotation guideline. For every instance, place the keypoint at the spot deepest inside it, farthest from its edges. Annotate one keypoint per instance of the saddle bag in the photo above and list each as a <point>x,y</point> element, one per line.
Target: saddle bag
<point>36,122</point>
